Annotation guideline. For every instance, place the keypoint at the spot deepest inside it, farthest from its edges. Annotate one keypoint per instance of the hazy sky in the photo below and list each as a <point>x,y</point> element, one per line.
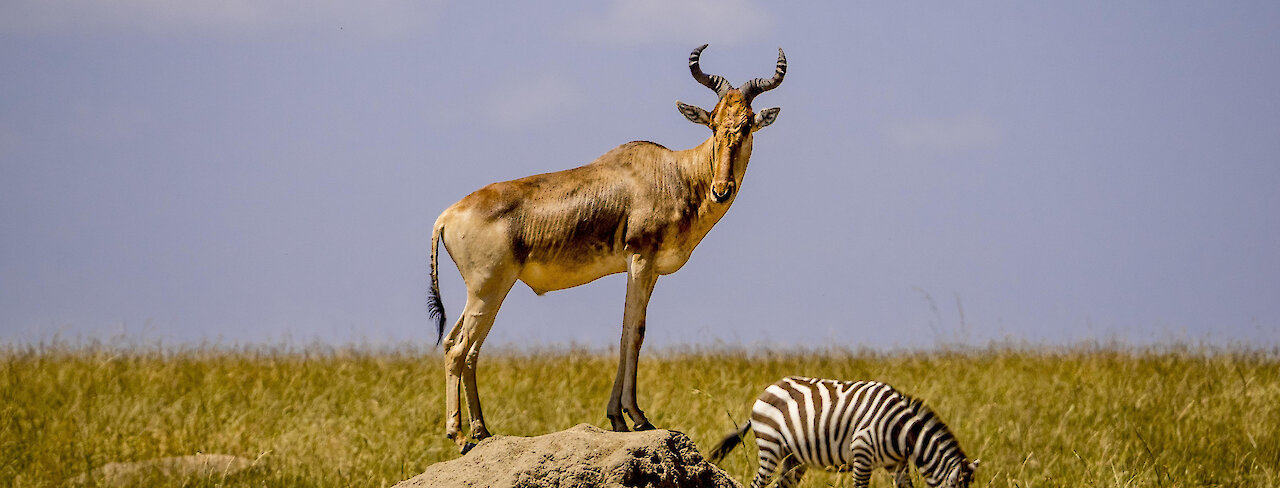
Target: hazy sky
<point>249,171</point>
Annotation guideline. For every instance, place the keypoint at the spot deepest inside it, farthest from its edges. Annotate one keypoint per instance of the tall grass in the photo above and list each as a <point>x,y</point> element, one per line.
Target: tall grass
<point>1080,416</point>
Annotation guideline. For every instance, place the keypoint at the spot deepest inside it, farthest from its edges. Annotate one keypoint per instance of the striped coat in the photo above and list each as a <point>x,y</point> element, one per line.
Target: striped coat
<point>855,426</point>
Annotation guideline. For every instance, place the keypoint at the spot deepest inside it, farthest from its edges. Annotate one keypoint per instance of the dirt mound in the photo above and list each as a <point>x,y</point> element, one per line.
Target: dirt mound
<point>181,468</point>
<point>582,457</point>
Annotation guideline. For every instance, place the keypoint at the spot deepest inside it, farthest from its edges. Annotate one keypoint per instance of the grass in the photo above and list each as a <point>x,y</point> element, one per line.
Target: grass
<point>315,416</point>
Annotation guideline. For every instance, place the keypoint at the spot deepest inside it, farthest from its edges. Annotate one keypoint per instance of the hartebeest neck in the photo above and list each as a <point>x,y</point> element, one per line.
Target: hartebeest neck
<point>701,163</point>
<point>698,168</point>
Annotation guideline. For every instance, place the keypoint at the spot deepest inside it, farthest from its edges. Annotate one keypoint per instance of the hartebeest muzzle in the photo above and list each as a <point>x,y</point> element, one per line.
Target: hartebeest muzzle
<point>722,190</point>
<point>724,159</point>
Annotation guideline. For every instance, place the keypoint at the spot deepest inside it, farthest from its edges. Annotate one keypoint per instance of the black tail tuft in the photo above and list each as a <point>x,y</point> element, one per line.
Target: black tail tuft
<point>729,442</point>
<point>435,307</point>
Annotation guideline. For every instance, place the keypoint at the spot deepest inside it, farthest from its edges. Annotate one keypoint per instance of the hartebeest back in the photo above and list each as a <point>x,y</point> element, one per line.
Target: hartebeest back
<point>640,208</point>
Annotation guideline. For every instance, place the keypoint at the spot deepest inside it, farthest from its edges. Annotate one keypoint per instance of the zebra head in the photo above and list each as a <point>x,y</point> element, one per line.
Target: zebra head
<point>960,475</point>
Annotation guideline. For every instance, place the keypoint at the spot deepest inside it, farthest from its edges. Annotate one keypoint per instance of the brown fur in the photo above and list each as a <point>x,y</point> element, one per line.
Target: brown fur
<point>637,198</point>
<point>640,208</point>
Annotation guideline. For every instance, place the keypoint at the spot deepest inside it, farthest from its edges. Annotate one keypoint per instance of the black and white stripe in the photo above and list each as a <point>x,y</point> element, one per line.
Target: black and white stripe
<point>859,426</point>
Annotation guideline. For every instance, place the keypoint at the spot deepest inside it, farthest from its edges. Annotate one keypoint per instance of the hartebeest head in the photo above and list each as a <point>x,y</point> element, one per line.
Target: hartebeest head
<point>732,120</point>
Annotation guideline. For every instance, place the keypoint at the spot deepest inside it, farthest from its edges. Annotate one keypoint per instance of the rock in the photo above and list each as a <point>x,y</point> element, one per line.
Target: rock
<point>582,457</point>
<point>169,468</point>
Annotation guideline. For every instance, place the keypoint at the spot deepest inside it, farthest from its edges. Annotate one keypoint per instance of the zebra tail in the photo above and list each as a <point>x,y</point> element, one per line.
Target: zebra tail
<point>729,442</point>
<point>435,307</point>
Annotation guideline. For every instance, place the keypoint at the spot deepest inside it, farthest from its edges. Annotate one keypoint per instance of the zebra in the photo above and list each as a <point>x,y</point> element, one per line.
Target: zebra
<point>842,425</point>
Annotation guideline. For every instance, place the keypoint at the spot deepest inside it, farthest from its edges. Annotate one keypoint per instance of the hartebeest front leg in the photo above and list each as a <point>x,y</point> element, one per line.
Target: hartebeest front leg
<point>640,280</point>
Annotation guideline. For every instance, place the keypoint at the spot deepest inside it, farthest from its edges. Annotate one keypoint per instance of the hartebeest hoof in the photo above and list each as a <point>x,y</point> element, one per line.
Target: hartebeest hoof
<point>645,426</point>
<point>619,425</point>
<point>459,439</point>
<point>467,448</point>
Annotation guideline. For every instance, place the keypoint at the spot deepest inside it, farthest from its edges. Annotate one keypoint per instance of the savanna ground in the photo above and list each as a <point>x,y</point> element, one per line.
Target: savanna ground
<point>1089,415</point>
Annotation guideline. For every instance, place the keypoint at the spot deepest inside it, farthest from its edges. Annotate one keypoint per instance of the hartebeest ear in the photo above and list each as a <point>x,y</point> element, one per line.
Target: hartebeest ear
<point>764,118</point>
<point>694,114</point>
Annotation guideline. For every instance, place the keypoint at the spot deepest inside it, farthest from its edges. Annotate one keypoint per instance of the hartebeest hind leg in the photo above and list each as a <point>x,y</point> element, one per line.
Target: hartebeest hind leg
<point>485,293</point>
<point>641,277</point>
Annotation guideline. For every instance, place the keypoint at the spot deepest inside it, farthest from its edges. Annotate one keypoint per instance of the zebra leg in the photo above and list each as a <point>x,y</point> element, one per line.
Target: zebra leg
<point>769,458</point>
<point>902,476</point>
<point>861,476</point>
<point>763,474</point>
<point>792,472</point>
<point>861,464</point>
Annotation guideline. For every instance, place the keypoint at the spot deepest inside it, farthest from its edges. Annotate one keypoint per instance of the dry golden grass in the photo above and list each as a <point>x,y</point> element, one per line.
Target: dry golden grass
<point>1082,416</point>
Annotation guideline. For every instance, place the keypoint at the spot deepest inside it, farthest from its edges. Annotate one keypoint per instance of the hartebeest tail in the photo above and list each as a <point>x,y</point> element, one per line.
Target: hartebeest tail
<point>435,307</point>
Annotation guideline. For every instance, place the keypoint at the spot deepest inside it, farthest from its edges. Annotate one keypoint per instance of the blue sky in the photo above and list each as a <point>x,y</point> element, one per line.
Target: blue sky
<point>250,172</point>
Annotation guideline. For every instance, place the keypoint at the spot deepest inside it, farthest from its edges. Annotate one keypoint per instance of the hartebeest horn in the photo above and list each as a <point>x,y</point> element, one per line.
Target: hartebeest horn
<point>760,85</point>
<point>715,82</point>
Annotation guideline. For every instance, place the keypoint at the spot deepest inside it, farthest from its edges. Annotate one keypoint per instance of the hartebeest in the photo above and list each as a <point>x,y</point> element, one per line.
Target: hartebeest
<point>640,208</point>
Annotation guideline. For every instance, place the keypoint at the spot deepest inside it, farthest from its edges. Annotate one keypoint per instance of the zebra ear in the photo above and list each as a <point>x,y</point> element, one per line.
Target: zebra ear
<point>694,114</point>
<point>973,466</point>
